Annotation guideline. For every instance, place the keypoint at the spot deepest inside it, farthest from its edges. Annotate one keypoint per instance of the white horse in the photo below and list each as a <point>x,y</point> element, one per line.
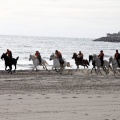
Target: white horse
<point>56,63</point>
<point>114,65</point>
<point>97,61</point>
<point>36,62</point>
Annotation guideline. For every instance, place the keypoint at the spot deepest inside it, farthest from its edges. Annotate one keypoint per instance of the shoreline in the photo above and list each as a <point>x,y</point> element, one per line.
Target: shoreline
<point>69,81</point>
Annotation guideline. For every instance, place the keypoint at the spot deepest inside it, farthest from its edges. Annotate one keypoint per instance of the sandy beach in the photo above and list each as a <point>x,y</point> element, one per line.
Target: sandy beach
<point>43,95</point>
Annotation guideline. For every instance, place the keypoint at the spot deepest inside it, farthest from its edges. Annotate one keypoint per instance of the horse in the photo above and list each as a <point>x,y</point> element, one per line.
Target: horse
<point>56,63</point>
<point>84,62</point>
<point>114,65</point>
<point>8,63</point>
<point>36,62</point>
<point>93,63</point>
<point>97,62</point>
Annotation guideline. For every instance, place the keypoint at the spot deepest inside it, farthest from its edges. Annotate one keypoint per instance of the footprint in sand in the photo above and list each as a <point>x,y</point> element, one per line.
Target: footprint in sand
<point>86,114</point>
<point>8,99</point>
<point>74,97</point>
<point>89,97</point>
<point>47,97</point>
<point>98,96</point>
<point>64,97</point>
<point>37,98</point>
<point>20,98</point>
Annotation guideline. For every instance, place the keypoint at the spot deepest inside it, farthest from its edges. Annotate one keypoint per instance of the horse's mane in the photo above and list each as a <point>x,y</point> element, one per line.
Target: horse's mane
<point>75,53</point>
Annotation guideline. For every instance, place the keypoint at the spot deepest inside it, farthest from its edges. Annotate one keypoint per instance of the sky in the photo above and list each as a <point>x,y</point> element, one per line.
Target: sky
<point>60,18</point>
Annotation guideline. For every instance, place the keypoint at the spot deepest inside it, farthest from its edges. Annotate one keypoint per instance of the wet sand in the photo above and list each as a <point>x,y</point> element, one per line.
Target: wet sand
<point>43,95</point>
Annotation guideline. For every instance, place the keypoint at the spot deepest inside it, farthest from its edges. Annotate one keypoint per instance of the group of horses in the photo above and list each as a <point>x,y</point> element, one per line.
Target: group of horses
<point>56,64</point>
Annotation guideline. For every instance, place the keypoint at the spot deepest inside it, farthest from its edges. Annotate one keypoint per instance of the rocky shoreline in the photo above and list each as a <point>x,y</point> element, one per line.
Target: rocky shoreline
<point>108,39</point>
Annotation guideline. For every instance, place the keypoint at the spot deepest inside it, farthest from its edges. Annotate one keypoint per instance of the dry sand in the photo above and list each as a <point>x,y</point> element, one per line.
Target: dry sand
<point>31,95</point>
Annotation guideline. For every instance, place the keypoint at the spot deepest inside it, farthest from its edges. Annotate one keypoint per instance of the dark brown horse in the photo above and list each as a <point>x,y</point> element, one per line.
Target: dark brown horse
<point>8,63</point>
<point>93,63</point>
<point>78,62</point>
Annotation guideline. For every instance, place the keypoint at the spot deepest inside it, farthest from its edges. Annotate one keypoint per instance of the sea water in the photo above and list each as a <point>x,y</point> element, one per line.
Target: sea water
<point>23,46</point>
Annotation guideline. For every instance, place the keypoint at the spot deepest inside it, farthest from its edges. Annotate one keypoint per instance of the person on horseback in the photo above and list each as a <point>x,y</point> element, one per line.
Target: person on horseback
<point>38,56</point>
<point>101,56</point>
<point>117,57</point>
<point>59,56</point>
<point>80,55</point>
<point>9,54</point>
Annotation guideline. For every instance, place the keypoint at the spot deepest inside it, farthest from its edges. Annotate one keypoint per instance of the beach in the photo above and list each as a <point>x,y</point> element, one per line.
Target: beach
<point>47,95</point>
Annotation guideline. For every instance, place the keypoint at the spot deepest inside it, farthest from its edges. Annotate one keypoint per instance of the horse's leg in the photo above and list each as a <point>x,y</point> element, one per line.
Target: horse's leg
<point>15,68</point>
<point>5,67</point>
<point>92,70</point>
<point>61,69</point>
<point>33,68</point>
<point>46,67</point>
<point>100,70</point>
<point>77,67</point>
<point>10,70</point>
<point>36,68</point>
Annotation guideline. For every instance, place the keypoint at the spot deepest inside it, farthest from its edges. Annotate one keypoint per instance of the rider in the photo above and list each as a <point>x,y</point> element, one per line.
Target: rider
<point>38,56</point>
<point>101,56</point>
<point>80,55</point>
<point>117,56</point>
<point>59,56</point>
<point>9,54</point>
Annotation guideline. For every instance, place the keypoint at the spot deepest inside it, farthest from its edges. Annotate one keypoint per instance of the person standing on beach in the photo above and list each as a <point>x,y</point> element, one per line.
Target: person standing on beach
<point>9,54</point>
<point>117,57</point>
<point>80,55</point>
<point>101,56</point>
<point>37,54</point>
<point>59,57</point>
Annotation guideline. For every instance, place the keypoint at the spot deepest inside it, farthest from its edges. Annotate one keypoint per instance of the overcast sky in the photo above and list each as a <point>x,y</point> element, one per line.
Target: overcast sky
<point>60,18</point>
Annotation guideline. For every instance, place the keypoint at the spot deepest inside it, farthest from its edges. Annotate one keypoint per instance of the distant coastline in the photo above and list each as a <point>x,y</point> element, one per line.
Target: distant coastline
<point>115,37</point>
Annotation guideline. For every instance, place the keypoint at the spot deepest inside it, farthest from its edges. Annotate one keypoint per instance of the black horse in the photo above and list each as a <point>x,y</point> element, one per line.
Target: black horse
<point>78,62</point>
<point>8,63</point>
<point>93,62</point>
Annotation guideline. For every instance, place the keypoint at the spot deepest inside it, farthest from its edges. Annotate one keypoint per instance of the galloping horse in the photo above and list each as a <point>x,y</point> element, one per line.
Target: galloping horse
<point>84,62</point>
<point>114,65</point>
<point>97,62</point>
<point>8,63</point>
<point>36,62</point>
<point>93,63</point>
<point>56,63</point>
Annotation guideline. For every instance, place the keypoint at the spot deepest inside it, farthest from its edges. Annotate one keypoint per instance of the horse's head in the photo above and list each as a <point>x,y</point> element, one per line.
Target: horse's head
<point>52,56</point>
<point>3,56</point>
<point>74,55</point>
<point>111,59</point>
<point>95,57</point>
<point>31,57</point>
<point>90,58</point>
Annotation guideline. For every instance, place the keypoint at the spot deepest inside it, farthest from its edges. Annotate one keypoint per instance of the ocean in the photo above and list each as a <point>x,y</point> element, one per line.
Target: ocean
<point>23,46</point>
